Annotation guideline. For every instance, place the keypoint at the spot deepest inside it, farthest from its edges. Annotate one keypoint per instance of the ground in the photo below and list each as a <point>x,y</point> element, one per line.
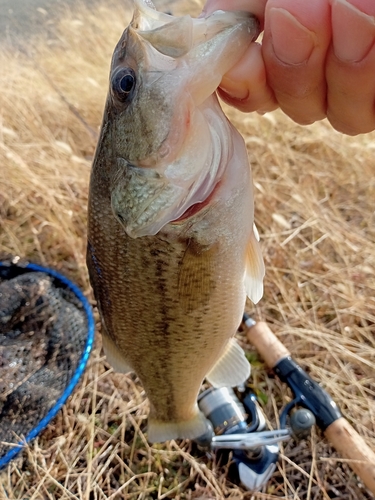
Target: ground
<point>314,206</point>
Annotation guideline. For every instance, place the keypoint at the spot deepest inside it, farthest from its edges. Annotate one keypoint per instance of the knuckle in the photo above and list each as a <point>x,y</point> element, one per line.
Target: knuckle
<point>349,126</point>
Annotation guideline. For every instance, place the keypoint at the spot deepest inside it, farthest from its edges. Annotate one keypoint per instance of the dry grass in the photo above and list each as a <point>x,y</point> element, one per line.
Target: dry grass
<point>314,197</point>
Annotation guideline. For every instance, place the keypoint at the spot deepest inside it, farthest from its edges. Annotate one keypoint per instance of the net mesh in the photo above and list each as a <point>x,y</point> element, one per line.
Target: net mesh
<point>43,329</point>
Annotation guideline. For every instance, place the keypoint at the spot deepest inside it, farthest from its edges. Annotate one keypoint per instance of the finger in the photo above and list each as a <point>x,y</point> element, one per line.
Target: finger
<point>296,39</point>
<point>256,7</point>
<point>245,85</point>
<point>351,67</point>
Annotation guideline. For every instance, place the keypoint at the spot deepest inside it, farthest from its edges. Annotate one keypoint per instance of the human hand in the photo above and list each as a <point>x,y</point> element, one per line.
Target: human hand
<point>316,60</point>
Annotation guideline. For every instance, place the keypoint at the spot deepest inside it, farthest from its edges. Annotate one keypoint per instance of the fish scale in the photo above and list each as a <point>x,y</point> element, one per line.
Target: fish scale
<point>168,267</point>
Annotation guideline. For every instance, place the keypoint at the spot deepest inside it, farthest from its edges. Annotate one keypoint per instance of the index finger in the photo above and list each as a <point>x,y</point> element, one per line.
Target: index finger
<point>295,43</point>
<point>256,7</point>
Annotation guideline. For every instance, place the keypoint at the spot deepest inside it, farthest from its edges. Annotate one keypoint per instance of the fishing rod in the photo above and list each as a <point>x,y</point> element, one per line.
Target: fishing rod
<point>239,426</point>
<point>309,394</point>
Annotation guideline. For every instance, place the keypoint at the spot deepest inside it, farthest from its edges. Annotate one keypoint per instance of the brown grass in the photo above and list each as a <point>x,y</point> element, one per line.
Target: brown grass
<point>314,198</point>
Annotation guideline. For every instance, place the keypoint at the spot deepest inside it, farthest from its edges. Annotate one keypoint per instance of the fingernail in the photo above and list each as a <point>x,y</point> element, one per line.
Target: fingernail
<point>353,32</point>
<point>235,90</point>
<point>292,42</point>
<point>232,100</point>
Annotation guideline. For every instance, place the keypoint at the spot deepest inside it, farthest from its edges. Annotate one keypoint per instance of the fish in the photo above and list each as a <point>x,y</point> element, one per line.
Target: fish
<point>172,250</point>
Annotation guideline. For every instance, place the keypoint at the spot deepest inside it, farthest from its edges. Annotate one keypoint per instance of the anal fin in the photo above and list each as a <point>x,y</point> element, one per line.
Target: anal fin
<point>114,356</point>
<point>254,273</point>
<point>231,369</point>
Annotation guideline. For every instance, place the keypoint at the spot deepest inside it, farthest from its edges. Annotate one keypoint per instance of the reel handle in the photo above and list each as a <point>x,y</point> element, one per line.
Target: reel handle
<point>344,438</point>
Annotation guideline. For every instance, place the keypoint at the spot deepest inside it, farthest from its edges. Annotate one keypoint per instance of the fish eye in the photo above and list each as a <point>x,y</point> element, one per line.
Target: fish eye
<point>123,84</point>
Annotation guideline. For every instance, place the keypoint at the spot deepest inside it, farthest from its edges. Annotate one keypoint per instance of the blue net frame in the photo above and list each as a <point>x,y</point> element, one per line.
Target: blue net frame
<point>5,459</point>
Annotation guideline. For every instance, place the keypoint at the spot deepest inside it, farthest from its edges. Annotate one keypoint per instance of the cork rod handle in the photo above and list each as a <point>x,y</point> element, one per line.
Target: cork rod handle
<point>340,433</point>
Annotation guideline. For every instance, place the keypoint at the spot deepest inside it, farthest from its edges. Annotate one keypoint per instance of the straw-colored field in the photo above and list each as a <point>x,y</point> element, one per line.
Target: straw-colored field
<point>315,202</point>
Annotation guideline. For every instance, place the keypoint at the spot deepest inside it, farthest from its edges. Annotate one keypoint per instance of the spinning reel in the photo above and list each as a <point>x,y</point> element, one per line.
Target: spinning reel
<point>239,427</point>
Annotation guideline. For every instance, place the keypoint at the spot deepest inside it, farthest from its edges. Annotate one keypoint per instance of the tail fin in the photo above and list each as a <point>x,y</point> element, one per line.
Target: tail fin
<point>197,427</point>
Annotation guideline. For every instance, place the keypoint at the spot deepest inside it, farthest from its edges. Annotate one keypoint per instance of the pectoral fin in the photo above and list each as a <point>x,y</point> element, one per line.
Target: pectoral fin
<point>231,369</point>
<point>254,268</point>
<point>114,356</point>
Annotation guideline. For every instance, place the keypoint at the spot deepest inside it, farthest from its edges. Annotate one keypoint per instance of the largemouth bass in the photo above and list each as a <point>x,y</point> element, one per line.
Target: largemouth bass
<point>172,250</point>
